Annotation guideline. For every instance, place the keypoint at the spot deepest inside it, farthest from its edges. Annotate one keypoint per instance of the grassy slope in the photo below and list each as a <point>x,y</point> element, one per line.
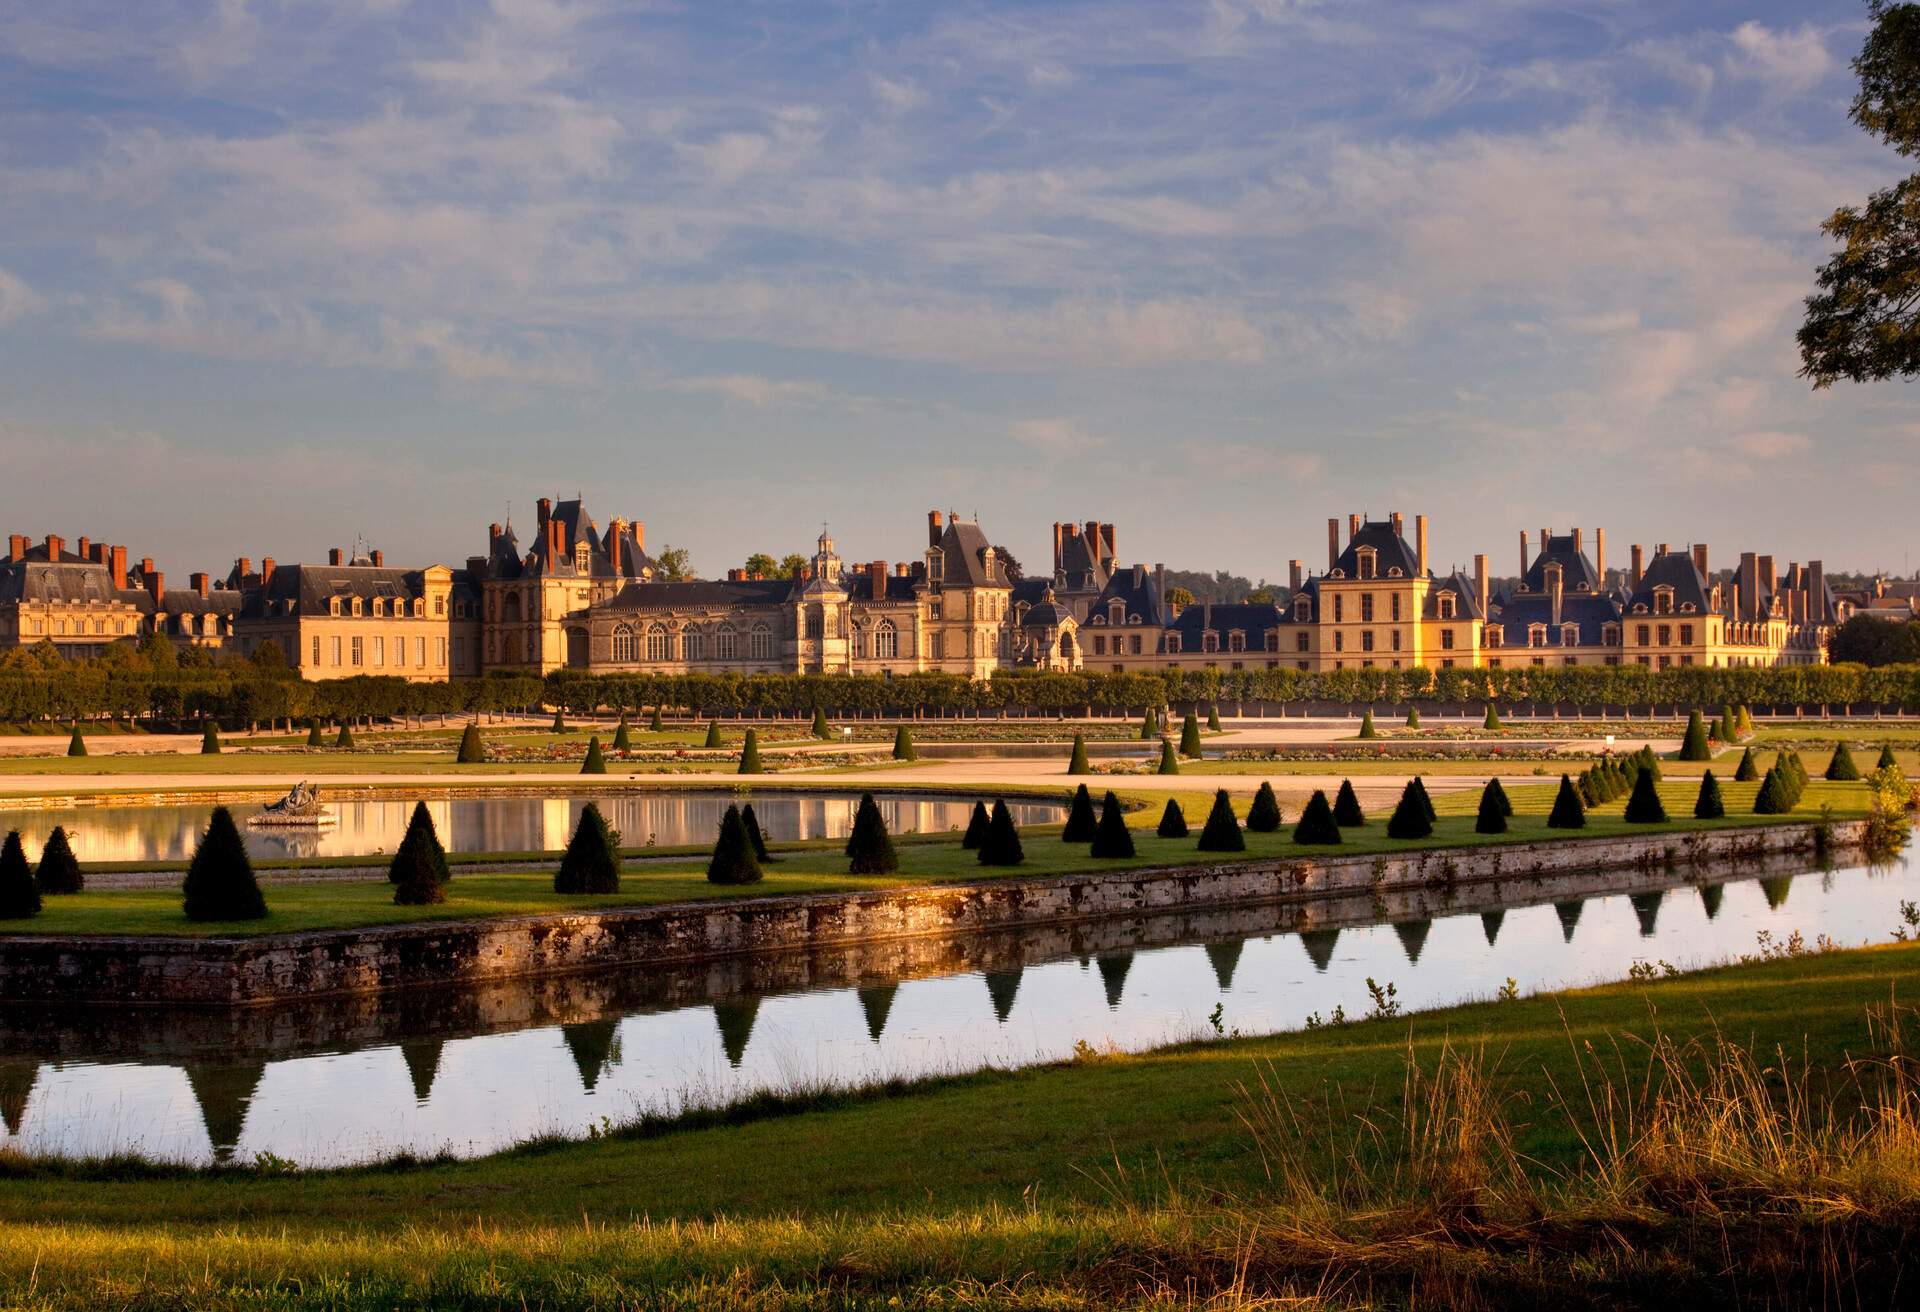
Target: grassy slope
<point>342,904</point>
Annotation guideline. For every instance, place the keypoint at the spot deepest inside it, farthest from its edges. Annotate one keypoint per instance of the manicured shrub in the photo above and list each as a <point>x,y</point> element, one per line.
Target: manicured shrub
<point>1346,807</point>
<point>210,740</point>
<point>1173,821</point>
<point>592,860</point>
<point>1492,818</point>
<point>1747,771</point>
<point>1645,806</point>
<point>1745,722</point>
<point>1567,812</point>
<point>1841,768</point>
<point>1709,806</point>
<point>1169,759</point>
<point>1317,824</point>
<point>1149,725</point>
<point>59,870</point>
<point>903,745</point>
<point>1413,816</point>
<point>733,860</point>
<point>870,847</point>
<point>714,742</point>
<point>1498,792</point>
<point>1887,761</point>
<point>473,748</point>
<point>750,754</point>
<point>1081,821</point>
<point>313,734</point>
<point>1077,763</point>
<point>76,745</point>
<point>1645,759</point>
<point>1113,839</point>
<point>1413,717</point>
<point>18,897</point>
<point>821,729</point>
<point>976,828</point>
<point>1190,738</point>
<point>1775,796</point>
<point>1694,747</point>
<point>1002,845</point>
<point>1729,727</point>
<point>559,721</point>
<point>1493,717</point>
<point>1263,817</point>
<point>1213,719</point>
<point>754,836</point>
<point>220,883</point>
<point>1589,788</point>
<point>656,724</point>
<point>1222,830</point>
<point>623,738</point>
<point>343,741</point>
<point>596,760</point>
<point>422,838</point>
<point>1366,725</point>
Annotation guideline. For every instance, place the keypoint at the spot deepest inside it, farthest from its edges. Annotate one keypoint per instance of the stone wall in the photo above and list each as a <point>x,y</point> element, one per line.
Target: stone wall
<point>274,968</point>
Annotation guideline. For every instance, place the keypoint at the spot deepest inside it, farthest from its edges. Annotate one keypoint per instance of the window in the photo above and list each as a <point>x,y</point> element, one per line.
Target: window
<point>659,644</point>
<point>439,605</point>
<point>1610,635</point>
<point>726,643</point>
<point>1339,608</point>
<point>760,643</point>
<point>1394,601</point>
<point>1666,635</point>
<point>1133,644</point>
<point>1569,635</point>
<point>1536,635</point>
<point>693,643</point>
<point>379,651</point>
<point>816,625</point>
<point>1395,643</point>
<point>1366,608</point>
<point>1686,635</point>
<point>1365,562</point>
<point>336,650</point>
<point>1339,641</point>
<point>1366,640</point>
<point>1300,641</point>
<point>583,558</point>
<point>400,652</point>
<point>1210,641</point>
<point>624,647</point>
<point>356,651</point>
<point>420,652</point>
<point>1099,645</point>
<point>1302,610</point>
<point>1446,641</point>
<point>440,652</point>
<point>886,641</point>
<point>1641,634</point>
<point>1173,643</point>
<point>316,649</point>
<point>1445,606</point>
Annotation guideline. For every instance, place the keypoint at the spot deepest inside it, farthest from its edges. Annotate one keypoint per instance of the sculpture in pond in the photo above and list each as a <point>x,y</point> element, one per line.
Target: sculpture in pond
<point>302,806</point>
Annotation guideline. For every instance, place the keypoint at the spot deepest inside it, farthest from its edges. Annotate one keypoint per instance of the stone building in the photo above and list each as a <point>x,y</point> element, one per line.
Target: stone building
<point>358,615</point>
<point>86,599</point>
<point>1561,613</point>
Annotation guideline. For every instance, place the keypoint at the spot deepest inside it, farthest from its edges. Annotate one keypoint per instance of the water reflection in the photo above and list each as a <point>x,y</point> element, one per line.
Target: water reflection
<point>476,1070</point>
<point>367,826</point>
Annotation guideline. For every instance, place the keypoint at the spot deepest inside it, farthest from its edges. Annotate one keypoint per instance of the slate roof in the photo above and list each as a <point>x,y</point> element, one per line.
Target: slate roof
<point>702,592</point>
<point>1676,570</point>
<point>1136,590</point>
<point>74,580</point>
<point>1576,571</point>
<point>1590,610</point>
<point>308,589</point>
<point>507,562</point>
<point>1047,613</point>
<point>1390,547</point>
<point>1252,618</point>
<point>964,546</point>
<point>1466,598</point>
<point>1081,569</point>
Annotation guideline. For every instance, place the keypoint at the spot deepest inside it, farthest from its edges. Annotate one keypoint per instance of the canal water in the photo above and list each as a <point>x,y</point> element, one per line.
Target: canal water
<point>473,1071</point>
<point>368,826</point>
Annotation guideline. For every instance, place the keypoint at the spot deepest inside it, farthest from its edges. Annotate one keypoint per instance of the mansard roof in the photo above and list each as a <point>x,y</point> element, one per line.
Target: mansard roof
<point>701,592</point>
<point>1248,617</point>
<point>1081,569</point>
<point>308,589</point>
<point>1591,611</point>
<point>1467,599</point>
<point>964,546</point>
<point>508,563</point>
<point>1675,570</point>
<point>1390,549</point>
<point>1576,571</point>
<point>1136,590</point>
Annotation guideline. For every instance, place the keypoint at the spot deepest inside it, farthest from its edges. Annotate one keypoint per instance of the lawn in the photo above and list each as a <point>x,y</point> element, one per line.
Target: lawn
<point>1083,1185</point>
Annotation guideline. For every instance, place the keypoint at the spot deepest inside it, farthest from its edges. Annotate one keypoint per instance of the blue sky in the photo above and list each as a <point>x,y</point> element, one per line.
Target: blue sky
<point>277,272</point>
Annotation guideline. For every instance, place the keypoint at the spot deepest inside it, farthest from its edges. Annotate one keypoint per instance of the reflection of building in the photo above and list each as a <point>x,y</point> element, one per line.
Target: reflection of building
<point>85,600</point>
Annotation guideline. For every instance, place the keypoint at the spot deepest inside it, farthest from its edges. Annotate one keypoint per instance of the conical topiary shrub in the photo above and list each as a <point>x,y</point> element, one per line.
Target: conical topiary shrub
<point>1213,719</point>
<point>1418,788</point>
<point>210,740</point>
<point>821,729</point>
<point>976,828</point>
<point>1081,821</point>
<point>1708,806</point>
<point>1190,738</point>
<point>1002,844</point>
<point>1263,817</point>
<point>1173,821</point>
<point>423,837</point>
<point>59,870</point>
<point>1366,725</point>
<point>1413,717</point>
<point>1346,807</point>
<point>869,846</point>
<point>1729,727</point>
<point>1694,747</point>
<point>754,836</point>
<point>1841,768</point>
<point>76,745</point>
<point>1567,812</point>
<point>1496,790</point>
<point>1317,825</point>
<point>903,745</point>
<point>1077,763</point>
<point>656,724</point>
<point>714,742</point>
<point>733,861</point>
<point>1887,761</point>
<point>343,741</point>
<point>1222,830</point>
<point>1645,806</point>
<point>473,748</point>
<point>750,754</point>
<point>1492,817</point>
<point>592,860</point>
<point>1149,725</point>
<point>1589,789</point>
<point>1169,759</point>
<point>596,760</point>
<point>220,883</point>
<point>1112,840</point>
<point>1492,720</point>
<point>1645,759</point>
<point>1775,796</point>
<point>1747,771</point>
<point>314,739</point>
<point>559,720</point>
<point>1745,722</point>
<point>1412,817</point>
<point>19,899</point>
<point>623,738</point>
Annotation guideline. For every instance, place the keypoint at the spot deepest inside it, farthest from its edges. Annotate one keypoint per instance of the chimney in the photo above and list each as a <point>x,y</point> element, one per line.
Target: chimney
<point>1109,553</point>
<point>99,553</point>
<point>493,537</point>
<point>17,547</point>
<point>1556,591</point>
<point>1600,555</point>
<point>1093,539</point>
<point>639,535</point>
<point>1736,610</point>
<point>1480,583</point>
<point>266,571</point>
<point>1749,585</point>
<point>1294,573</point>
<point>86,548</point>
<point>333,557</point>
<point>1353,527</point>
<point>1059,536</point>
<point>1420,544</point>
<point>241,568</point>
<point>933,528</point>
<point>877,578</point>
<point>379,559</point>
<point>55,545</point>
<point>117,565</point>
<point>1768,582</point>
<point>1817,591</point>
<point>146,565</point>
<point>1393,517</point>
<point>1160,582</point>
<point>1545,534</point>
<point>615,540</point>
<point>1700,559</point>
<point>1577,539</point>
<point>1139,576</point>
<point>1638,567</point>
<point>543,511</point>
<point>1659,550</point>
<point>198,581</point>
<point>1523,553</point>
<point>900,569</point>
<point>1333,543</point>
<point>156,586</point>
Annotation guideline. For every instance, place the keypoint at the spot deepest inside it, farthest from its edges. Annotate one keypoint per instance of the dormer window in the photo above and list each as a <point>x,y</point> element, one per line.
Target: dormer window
<point>1688,608</point>
<point>356,605</point>
<point>1536,635</point>
<point>1569,635</point>
<point>583,558</point>
<point>1610,635</point>
<point>1116,611</point>
<point>1366,563</point>
<point>1173,642</point>
<point>1395,572</point>
<point>1210,641</point>
<point>1302,610</point>
<point>1446,605</point>
<point>1237,641</point>
<point>1663,601</point>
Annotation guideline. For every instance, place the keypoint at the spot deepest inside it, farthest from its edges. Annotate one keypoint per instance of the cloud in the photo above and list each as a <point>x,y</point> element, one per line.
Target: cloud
<point>226,41</point>
<point>1055,438</point>
<point>898,95</point>
<point>754,390</point>
<point>1790,63</point>
<point>17,300</point>
<point>1767,445</point>
<point>1247,462</point>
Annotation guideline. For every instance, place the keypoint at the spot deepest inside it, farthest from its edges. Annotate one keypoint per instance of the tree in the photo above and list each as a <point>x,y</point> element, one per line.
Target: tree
<point>714,741</point>
<point>1173,821</point>
<point>622,738</point>
<point>733,860</point>
<point>559,720</point>
<point>1213,719</point>
<point>1077,763</point>
<point>1567,812</point>
<point>420,849</point>
<point>76,745</point>
<point>792,566</point>
<point>903,745</point>
<point>1887,761</point>
<point>1010,563</point>
<point>1081,824</point>
<point>821,729</point>
<point>1222,830</point>
<point>1747,771</point>
<point>1871,641</point>
<point>591,863</point>
<point>1179,597</point>
<point>1346,807</point>
<point>1169,759</point>
<point>473,749</point>
<point>210,740</point>
<point>1002,844</point>
<point>1774,797</point>
<point>1112,839</point>
<point>656,724</point>
<point>976,828</point>
<point>1493,717</point>
<point>1366,725</point>
<point>750,754</point>
<point>596,760</point>
<point>220,883</point>
<point>869,847</point>
<point>1317,825</point>
<point>761,566</point>
<point>1745,722</point>
<point>754,836</point>
<point>1413,717</point>
<point>313,734</point>
<point>673,564</point>
<point>59,870</point>
<point>1190,738</point>
<point>1694,747</point>
<point>1645,806</point>
<point>1411,818</point>
<point>1841,768</point>
<point>1492,817</point>
<point>19,898</point>
<point>1496,790</point>
<point>343,741</point>
<point>1263,817</point>
<point>1708,805</point>
<point>1417,787</point>
<point>1149,725</point>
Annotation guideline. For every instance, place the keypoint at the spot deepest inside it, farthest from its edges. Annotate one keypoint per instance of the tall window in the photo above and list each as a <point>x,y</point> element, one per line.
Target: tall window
<point>658,645</point>
<point>1396,607</point>
<point>316,649</point>
<point>1366,608</point>
<point>694,643</point>
<point>356,651</point>
<point>886,641</point>
<point>760,643</point>
<point>625,648</point>
<point>725,643</point>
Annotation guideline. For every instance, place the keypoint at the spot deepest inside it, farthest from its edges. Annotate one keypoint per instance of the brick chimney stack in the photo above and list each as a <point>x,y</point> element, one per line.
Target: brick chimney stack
<point>1295,575</point>
<point>55,546</point>
<point>156,585</point>
<point>198,580</point>
<point>1393,518</point>
<point>1420,544</point>
<point>933,528</point>
<point>1700,559</point>
<point>1523,553</point>
<point>1600,556</point>
<point>1353,527</point>
<point>266,571</point>
<point>86,547</point>
<point>1763,567</point>
<point>1638,567</point>
<point>1093,540</point>
<point>616,541</point>
<point>543,511</point>
<point>1480,583</point>
<point>1659,549</point>
<point>901,569</point>
<point>241,568</point>
<point>877,579</point>
<point>333,555</point>
<point>1545,535</point>
<point>1817,590</point>
<point>639,528</point>
<point>17,547</point>
<point>1109,553</point>
<point>1556,592</point>
<point>117,566</point>
<point>146,565</point>
<point>1333,543</point>
<point>493,537</point>
<point>1059,537</point>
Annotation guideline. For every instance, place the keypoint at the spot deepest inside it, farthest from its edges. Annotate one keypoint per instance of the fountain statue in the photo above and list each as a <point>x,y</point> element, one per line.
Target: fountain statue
<point>300,808</point>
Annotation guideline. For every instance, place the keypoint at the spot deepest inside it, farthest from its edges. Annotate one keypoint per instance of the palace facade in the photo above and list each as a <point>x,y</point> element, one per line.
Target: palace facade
<point>585,597</point>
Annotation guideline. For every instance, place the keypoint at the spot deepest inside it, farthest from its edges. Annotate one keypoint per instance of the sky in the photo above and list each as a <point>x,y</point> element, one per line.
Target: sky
<point>275,274</point>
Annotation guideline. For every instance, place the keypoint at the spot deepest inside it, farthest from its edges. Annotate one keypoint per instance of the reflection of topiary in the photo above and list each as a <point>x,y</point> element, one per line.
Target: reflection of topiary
<point>1412,817</point>
<point>1492,818</point>
<point>1346,807</point>
<point>1173,821</point>
<point>18,896</point>
<point>1567,812</point>
<point>1113,839</point>
<point>220,883</point>
<point>1081,824</point>
<point>1263,817</point>
<point>976,828</point>
<point>1841,768</point>
<point>1708,805</point>
<point>1317,824</point>
<point>1222,831</point>
<point>869,847</point>
<point>592,860</point>
<point>1645,806</point>
<point>1077,763</point>
<point>733,860</point>
<point>59,870</point>
<point>1002,845</point>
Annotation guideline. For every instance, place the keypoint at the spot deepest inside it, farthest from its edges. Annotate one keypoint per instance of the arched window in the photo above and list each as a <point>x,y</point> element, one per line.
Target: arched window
<point>625,648</point>
<point>886,641</point>
<point>693,642</point>
<point>725,643</point>
<point>760,643</point>
<point>510,608</point>
<point>856,641</point>
<point>1569,635</point>
<point>659,647</point>
<point>816,625</point>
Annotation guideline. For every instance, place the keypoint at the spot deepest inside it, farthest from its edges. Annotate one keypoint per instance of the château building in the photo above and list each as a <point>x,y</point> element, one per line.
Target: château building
<point>85,600</point>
